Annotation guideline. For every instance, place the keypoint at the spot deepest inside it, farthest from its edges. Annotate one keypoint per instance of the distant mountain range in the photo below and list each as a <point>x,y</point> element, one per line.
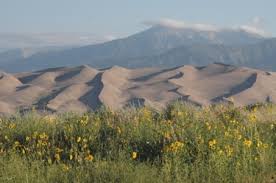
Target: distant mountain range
<point>261,55</point>
<point>158,46</point>
<point>16,54</point>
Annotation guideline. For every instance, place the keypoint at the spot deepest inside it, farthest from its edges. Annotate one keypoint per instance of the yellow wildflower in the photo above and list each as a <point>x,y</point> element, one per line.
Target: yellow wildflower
<point>174,147</point>
<point>247,143</point>
<point>227,134</point>
<point>147,114</point>
<point>89,158</point>
<point>259,143</point>
<point>229,150</point>
<point>58,150</point>
<point>82,122</point>
<point>70,157</point>
<point>44,143</point>
<point>179,113</point>
<point>65,167</point>
<point>200,140</point>
<point>212,144</point>
<point>16,143</point>
<point>119,130</point>
<point>265,146</point>
<point>57,157</point>
<point>178,144</point>
<point>233,121</point>
<point>252,118</point>
<point>35,135</point>
<point>49,119</point>
<point>43,136</point>
<point>169,122</point>
<point>167,135</point>
<point>239,136</point>
<point>79,139</point>
<point>28,138</point>
<point>134,155</point>
<point>6,137</point>
<point>49,161</point>
<point>209,127</point>
<point>85,140</point>
<point>12,126</point>
<point>85,146</point>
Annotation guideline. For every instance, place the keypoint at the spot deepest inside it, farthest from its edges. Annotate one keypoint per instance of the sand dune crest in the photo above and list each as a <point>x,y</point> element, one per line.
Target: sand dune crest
<point>83,88</point>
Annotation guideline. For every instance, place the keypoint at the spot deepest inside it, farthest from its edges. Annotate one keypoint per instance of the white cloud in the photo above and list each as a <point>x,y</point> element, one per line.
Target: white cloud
<point>255,26</point>
<point>181,25</point>
<point>254,30</point>
<point>109,37</point>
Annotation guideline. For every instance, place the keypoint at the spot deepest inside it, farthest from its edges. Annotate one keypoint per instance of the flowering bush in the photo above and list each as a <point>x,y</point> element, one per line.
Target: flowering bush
<point>217,143</point>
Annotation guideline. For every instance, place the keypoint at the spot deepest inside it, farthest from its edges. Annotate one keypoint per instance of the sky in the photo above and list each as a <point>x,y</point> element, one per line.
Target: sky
<point>119,18</point>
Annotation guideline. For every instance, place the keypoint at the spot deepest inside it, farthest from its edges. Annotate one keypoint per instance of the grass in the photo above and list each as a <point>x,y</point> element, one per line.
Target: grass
<point>182,143</point>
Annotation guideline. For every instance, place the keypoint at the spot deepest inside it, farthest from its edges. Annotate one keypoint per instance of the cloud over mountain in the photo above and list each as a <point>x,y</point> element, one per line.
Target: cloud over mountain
<point>171,23</point>
<point>255,26</point>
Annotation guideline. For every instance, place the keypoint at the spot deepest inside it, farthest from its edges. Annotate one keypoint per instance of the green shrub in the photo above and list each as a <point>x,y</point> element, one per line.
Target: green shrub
<point>182,143</point>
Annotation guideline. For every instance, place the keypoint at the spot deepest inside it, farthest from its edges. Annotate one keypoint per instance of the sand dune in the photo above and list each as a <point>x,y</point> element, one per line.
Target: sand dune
<point>83,88</point>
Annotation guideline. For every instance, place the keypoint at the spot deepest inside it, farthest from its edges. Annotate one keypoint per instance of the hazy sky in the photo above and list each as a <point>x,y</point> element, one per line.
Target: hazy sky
<point>124,17</point>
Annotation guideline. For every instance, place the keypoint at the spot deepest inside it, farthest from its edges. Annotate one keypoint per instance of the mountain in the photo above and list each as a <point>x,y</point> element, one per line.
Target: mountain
<point>260,55</point>
<point>10,41</point>
<point>16,47</point>
<point>83,88</point>
<point>9,56</point>
<point>154,41</point>
<point>13,55</point>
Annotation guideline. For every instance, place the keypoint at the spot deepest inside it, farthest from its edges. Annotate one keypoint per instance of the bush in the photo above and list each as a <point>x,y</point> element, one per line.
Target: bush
<point>183,143</point>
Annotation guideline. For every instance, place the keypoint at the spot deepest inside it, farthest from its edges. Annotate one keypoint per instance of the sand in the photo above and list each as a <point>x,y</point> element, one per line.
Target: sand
<point>83,88</point>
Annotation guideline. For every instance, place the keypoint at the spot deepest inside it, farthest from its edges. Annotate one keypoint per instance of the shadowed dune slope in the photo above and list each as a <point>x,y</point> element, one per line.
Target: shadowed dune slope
<point>83,88</point>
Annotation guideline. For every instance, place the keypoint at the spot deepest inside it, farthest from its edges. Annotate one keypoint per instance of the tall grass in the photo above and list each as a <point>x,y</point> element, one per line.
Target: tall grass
<point>182,143</point>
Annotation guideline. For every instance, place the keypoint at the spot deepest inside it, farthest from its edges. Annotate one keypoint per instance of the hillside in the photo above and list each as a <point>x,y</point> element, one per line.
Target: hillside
<point>127,52</point>
<point>260,55</point>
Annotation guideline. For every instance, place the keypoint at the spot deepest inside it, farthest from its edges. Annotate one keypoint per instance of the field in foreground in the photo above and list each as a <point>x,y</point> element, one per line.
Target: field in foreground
<point>180,144</point>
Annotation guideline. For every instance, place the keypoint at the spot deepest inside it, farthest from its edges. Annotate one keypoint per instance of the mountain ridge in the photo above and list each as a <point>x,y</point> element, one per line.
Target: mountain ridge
<point>127,51</point>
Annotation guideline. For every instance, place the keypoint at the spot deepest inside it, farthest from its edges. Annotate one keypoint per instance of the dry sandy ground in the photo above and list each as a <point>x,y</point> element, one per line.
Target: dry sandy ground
<point>83,88</point>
